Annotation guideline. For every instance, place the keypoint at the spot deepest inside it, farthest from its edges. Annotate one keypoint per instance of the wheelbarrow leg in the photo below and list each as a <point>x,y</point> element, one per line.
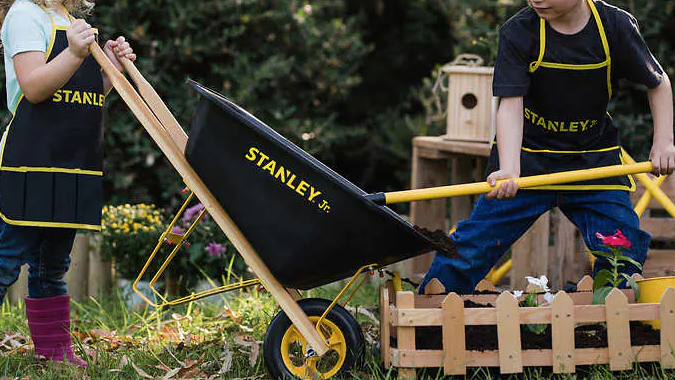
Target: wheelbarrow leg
<point>169,147</point>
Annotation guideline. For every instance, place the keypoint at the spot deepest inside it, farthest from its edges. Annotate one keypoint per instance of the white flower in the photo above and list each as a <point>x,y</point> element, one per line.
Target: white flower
<point>541,282</point>
<point>517,293</point>
<point>548,297</point>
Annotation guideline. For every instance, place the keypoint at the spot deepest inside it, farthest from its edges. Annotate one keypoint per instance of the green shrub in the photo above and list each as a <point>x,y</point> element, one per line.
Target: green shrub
<point>288,62</point>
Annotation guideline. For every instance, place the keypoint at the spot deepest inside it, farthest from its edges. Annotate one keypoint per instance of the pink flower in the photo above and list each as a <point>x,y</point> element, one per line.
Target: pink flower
<point>616,240</point>
<point>192,212</point>
<point>215,249</point>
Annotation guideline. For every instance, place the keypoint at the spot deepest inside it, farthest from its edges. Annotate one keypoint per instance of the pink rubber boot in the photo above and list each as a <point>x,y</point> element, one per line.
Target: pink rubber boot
<point>49,323</point>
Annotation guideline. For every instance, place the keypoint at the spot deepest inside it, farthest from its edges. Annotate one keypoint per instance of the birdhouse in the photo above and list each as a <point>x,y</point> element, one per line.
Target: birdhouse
<point>471,107</point>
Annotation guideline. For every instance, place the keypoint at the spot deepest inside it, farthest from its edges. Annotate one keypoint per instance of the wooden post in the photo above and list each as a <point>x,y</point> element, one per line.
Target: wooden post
<point>434,286</point>
<point>564,263</point>
<point>100,271</point>
<point>454,340</point>
<point>562,333</point>
<point>406,335</point>
<point>385,334</point>
<point>462,172</point>
<point>530,253</point>
<point>585,284</point>
<point>508,334</point>
<point>485,285</point>
<point>667,314</point>
<point>426,172</point>
<point>618,331</point>
<point>78,273</point>
<point>19,290</point>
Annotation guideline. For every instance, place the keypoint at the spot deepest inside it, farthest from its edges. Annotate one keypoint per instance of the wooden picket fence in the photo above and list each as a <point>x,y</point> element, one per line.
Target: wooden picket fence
<point>402,312</point>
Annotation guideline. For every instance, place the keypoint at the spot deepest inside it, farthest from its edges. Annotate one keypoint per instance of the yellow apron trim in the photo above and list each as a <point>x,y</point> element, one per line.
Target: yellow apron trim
<point>542,46</point>
<point>567,66</point>
<point>570,151</point>
<point>26,169</point>
<point>605,46</point>
<point>26,223</point>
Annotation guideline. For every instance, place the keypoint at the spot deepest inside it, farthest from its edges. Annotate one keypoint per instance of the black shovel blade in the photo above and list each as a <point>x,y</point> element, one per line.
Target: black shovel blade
<point>309,225</point>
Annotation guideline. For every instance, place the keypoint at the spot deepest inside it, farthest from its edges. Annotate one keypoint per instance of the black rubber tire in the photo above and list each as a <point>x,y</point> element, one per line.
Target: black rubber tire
<point>313,307</point>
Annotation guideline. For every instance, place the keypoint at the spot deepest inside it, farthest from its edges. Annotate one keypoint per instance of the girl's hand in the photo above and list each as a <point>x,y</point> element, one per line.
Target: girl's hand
<point>117,49</point>
<point>80,36</point>
<point>506,190</point>
<point>662,157</point>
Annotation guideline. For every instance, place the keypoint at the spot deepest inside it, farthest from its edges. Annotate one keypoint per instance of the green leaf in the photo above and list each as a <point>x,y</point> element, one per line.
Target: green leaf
<point>600,295</point>
<point>602,278</point>
<point>536,328</point>
<point>630,260</point>
<point>602,254</point>
<point>633,285</point>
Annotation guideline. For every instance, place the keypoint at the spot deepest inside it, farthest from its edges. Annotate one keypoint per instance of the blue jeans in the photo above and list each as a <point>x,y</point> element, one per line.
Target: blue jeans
<point>494,225</point>
<point>45,250</point>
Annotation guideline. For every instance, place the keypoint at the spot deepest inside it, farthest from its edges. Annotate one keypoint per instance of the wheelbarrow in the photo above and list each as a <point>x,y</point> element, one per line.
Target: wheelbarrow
<point>296,223</point>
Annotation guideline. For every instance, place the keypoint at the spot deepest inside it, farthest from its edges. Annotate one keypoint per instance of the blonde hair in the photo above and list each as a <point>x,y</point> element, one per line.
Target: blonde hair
<point>76,7</point>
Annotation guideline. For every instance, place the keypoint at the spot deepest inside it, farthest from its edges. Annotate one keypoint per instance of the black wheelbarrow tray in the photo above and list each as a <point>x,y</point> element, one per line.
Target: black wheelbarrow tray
<point>296,223</point>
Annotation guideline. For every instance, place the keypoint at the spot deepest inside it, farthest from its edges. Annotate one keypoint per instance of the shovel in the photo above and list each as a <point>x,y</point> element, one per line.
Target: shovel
<point>523,183</point>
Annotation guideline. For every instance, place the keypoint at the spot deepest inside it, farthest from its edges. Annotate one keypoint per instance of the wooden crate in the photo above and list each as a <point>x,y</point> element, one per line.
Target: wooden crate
<point>402,312</point>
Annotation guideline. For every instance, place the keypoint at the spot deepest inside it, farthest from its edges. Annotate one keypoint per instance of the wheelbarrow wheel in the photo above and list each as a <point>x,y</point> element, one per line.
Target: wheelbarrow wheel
<point>285,348</point>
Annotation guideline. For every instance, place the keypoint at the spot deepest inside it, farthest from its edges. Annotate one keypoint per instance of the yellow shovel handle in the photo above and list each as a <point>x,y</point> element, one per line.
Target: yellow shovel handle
<point>523,183</point>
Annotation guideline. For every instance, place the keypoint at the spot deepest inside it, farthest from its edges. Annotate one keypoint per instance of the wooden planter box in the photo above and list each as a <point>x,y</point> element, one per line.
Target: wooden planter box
<point>401,314</point>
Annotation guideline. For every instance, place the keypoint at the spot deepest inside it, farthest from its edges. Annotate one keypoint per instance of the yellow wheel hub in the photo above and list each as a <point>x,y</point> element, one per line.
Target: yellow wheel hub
<point>294,349</point>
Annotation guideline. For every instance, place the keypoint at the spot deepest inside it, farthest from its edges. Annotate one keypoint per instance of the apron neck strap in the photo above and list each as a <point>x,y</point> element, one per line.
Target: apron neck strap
<point>542,37</point>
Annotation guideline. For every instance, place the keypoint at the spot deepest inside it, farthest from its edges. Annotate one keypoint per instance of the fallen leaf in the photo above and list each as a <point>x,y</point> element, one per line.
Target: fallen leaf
<point>140,372</point>
<point>171,373</point>
<point>100,333</point>
<point>123,362</point>
<point>226,358</point>
<point>363,311</point>
<point>253,356</point>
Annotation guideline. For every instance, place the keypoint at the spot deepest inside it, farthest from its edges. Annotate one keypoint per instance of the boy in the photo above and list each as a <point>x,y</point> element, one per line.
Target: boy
<point>557,65</point>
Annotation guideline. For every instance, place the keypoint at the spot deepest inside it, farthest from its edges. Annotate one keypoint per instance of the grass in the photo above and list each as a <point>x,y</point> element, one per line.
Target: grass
<point>216,338</point>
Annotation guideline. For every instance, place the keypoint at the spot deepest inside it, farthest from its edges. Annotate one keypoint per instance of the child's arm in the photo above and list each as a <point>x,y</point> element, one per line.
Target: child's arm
<point>38,79</point>
<point>115,50</point>
<point>663,150</point>
<point>509,141</point>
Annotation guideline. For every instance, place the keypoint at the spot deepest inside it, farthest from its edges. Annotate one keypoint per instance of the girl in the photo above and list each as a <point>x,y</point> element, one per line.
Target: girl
<point>50,156</point>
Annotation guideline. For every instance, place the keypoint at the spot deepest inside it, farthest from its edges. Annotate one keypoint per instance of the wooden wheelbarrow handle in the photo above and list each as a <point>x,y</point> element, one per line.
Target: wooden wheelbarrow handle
<point>156,104</point>
<point>523,183</point>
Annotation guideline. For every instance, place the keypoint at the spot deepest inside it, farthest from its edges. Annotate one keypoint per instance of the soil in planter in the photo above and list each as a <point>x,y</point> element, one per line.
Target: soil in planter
<point>484,338</point>
<point>443,241</point>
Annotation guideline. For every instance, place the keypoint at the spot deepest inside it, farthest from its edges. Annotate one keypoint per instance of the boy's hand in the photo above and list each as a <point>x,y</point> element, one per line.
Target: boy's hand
<point>80,36</point>
<point>662,157</point>
<point>506,190</point>
<point>117,49</point>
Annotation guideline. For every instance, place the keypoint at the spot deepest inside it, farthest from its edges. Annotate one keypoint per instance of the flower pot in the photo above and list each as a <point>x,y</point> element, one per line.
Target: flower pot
<point>651,291</point>
<point>130,297</point>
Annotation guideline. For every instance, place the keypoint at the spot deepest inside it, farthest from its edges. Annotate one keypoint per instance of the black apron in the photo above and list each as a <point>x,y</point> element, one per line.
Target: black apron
<point>51,159</point>
<point>566,124</point>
